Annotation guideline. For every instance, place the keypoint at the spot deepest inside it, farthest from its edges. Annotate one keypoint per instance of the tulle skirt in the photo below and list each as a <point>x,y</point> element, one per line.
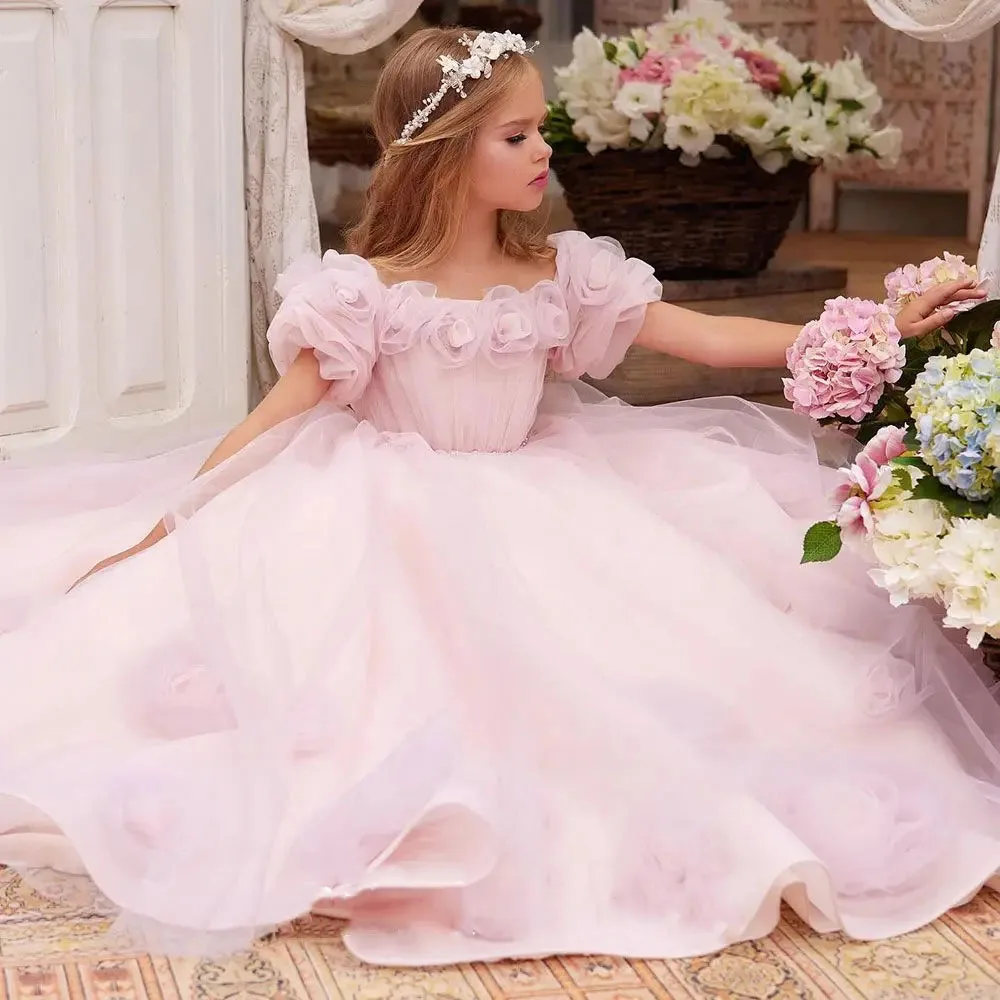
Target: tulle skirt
<point>581,697</point>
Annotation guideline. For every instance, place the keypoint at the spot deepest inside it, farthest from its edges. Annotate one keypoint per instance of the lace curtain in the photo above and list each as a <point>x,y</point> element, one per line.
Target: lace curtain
<point>954,21</point>
<point>281,211</point>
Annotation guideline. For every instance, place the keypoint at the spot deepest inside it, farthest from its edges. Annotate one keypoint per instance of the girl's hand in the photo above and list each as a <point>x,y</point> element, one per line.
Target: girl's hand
<point>936,307</point>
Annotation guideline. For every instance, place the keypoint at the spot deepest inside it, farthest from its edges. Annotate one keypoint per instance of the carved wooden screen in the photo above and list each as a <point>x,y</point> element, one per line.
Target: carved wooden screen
<point>617,16</point>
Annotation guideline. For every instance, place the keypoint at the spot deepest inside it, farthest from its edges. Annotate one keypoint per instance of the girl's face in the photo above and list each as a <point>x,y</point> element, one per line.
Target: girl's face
<point>510,159</point>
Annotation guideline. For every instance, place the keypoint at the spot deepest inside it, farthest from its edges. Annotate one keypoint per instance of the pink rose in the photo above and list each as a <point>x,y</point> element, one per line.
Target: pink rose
<point>655,67</point>
<point>764,72</point>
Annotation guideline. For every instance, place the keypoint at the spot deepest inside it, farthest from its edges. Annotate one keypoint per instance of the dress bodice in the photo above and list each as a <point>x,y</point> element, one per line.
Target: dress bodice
<point>466,375</point>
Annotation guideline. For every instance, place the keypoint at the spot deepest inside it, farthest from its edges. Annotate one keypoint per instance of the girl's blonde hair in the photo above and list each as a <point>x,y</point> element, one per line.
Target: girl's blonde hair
<point>414,205</point>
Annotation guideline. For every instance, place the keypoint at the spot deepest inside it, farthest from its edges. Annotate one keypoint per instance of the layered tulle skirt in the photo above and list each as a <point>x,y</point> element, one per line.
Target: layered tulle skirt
<point>580,697</point>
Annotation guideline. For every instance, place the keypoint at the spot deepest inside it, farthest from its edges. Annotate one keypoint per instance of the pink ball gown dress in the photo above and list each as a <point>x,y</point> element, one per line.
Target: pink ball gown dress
<point>480,660</point>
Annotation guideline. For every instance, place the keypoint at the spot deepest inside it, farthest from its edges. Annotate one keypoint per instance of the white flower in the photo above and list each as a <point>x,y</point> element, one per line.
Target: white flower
<point>718,93</point>
<point>970,552</point>
<point>760,128</point>
<point>588,50</point>
<point>587,93</point>
<point>811,139</point>
<point>846,80</point>
<point>625,54</point>
<point>969,557</point>
<point>603,129</point>
<point>905,542</point>
<point>912,519</point>
<point>690,135</point>
<point>637,99</point>
<point>887,145</point>
<point>773,160</point>
<point>706,20</point>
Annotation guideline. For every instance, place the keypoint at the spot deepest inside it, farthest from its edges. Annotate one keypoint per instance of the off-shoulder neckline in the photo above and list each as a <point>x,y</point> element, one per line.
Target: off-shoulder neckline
<point>429,290</point>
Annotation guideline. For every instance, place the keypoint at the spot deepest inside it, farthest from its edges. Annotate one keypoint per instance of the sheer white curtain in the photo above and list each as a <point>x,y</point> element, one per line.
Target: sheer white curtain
<point>281,210</point>
<point>954,21</point>
<point>938,20</point>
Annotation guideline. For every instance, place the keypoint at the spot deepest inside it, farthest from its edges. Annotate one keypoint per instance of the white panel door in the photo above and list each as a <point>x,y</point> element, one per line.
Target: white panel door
<point>123,316</point>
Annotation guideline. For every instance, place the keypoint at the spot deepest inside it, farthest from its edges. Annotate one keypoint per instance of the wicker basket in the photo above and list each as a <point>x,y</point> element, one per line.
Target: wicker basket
<point>990,648</point>
<point>725,217</point>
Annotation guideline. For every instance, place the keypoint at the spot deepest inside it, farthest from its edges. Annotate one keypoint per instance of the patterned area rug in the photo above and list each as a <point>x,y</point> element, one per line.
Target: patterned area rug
<point>958,958</point>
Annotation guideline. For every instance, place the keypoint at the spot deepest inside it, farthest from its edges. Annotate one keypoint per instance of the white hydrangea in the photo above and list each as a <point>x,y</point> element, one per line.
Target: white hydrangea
<point>905,542</point>
<point>717,92</point>
<point>969,559</point>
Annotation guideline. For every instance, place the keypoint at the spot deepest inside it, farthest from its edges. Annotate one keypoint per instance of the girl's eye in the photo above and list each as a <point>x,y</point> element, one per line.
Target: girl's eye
<point>516,140</point>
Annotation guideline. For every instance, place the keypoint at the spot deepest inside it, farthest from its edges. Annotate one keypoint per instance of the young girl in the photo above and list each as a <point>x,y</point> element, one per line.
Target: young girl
<point>480,660</point>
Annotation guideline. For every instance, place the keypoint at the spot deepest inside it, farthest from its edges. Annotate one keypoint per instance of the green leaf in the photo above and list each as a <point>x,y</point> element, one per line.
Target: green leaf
<point>558,129</point>
<point>910,439</point>
<point>975,327</point>
<point>930,488</point>
<point>849,104</point>
<point>634,46</point>
<point>610,51</point>
<point>912,460</point>
<point>822,542</point>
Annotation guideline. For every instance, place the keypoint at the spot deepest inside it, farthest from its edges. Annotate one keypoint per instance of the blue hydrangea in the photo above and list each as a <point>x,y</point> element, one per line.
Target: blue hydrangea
<point>955,403</point>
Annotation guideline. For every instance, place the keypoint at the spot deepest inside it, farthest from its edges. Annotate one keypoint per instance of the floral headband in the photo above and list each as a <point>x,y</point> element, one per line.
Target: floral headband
<point>484,50</point>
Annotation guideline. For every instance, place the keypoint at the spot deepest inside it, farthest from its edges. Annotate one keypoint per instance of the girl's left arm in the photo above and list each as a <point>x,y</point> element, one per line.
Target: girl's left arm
<point>742,342</point>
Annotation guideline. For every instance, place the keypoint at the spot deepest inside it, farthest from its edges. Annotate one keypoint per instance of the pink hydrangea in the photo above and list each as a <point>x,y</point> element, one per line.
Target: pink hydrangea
<point>907,282</point>
<point>764,72</point>
<point>655,67</point>
<point>841,363</point>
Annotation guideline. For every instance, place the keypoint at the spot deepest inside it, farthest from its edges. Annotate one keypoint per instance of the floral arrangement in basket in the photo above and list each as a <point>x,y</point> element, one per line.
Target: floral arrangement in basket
<point>695,81</point>
<point>922,498</point>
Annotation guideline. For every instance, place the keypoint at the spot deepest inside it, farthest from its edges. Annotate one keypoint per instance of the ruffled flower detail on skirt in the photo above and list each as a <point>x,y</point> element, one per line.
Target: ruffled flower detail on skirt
<point>890,689</point>
<point>878,830</point>
<point>676,868</point>
<point>176,695</point>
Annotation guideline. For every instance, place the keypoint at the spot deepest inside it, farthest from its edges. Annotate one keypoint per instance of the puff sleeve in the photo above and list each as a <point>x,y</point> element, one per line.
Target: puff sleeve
<point>606,294</point>
<point>331,306</point>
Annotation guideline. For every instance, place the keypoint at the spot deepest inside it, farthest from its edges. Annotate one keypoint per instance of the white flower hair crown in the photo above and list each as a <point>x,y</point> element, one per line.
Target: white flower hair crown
<point>484,50</point>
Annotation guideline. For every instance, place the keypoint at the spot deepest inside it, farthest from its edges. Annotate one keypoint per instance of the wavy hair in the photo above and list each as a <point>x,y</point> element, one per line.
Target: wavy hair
<point>414,205</point>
